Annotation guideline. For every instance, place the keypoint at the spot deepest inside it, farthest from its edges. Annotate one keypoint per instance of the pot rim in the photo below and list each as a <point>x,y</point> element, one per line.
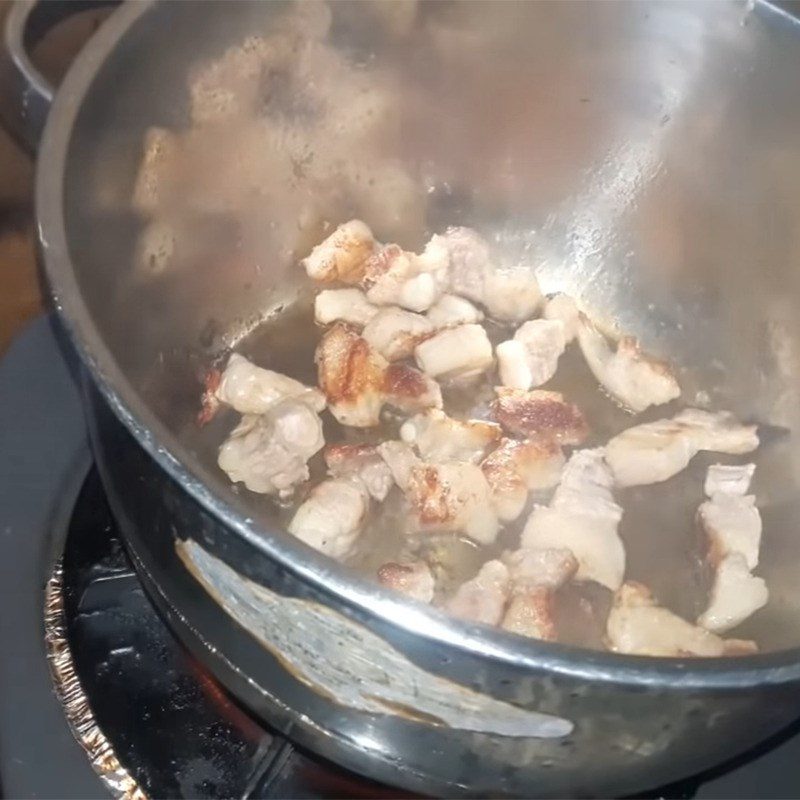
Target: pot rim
<point>309,565</point>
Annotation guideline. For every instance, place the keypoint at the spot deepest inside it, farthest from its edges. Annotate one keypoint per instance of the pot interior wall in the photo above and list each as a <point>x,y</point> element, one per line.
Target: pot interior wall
<point>644,157</point>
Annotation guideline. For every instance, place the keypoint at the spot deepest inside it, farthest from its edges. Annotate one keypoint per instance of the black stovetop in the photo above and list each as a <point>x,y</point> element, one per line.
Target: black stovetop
<point>169,723</point>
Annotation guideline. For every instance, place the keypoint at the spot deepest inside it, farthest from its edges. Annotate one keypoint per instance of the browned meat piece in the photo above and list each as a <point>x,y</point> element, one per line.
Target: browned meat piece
<point>639,626</point>
<point>452,498</point>
<point>343,255</point>
<point>539,414</point>
<point>413,579</point>
<point>484,597</point>
<point>362,461</point>
<point>357,381</point>
<point>516,468</point>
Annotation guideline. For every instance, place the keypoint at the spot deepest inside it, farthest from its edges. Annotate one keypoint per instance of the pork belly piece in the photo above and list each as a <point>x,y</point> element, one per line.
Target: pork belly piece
<point>411,578</point>
<point>345,305</point>
<point>531,357</point>
<point>535,576</point>
<point>343,255</point>
<point>631,376</point>
<point>563,308</point>
<point>451,498</point>
<point>398,278</point>
<point>400,459</point>
<point>456,354</point>
<point>509,293</point>
<point>582,517</point>
<point>516,468</point>
<point>637,625</point>
<point>332,517</point>
<point>269,452</point>
<point>394,332</point>
<point>484,597</point>
<point>363,462</point>
<point>656,451</point>
<point>539,414</point>
<point>250,389</point>
<point>736,594</point>
<point>450,311</point>
<point>357,381</point>
<point>732,525</point>
<point>439,438</point>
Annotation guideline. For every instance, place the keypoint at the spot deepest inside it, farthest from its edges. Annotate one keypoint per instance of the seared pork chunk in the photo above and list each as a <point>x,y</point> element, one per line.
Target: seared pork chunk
<point>563,308</point>
<point>455,354</point>
<point>332,517</point>
<point>394,332</point>
<point>531,357</point>
<point>451,498</point>
<point>583,518</point>
<point>439,438</point>
<point>345,305</point>
<point>631,376</point>
<point>539,414</point>
<point>343,255</point>
<point>637,625</point>
<point>361,461</point>
<point>411,578</point>
<point>484,597</point>
<point>358,381</point>
<point>269,452</point>
<point>656,451</point>
<point>250,389</point>
<point>516,468</point>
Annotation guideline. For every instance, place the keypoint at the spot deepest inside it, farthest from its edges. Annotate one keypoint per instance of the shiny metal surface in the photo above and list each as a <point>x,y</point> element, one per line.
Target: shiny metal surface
<point>646,157</point>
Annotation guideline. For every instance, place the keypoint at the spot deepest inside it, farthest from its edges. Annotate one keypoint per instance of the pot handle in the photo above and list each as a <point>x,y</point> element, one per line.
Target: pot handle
<point>25,94</point>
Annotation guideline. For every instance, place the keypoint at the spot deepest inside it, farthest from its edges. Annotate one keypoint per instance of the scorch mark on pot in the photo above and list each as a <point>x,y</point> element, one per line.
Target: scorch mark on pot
<point>352,666</point>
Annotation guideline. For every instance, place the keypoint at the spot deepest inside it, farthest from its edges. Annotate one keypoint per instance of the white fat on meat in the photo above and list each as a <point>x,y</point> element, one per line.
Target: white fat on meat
<point>346,305</point>
<point>563,308</point>
<point>735,595</point>
<point>531,357</point>
<point>358,381</point>
<point>582,517</point>
<point>250,389</point>
<point>451,310</point>
<point>509,293</point>
<point>332,517</point>
<point>656,451</point>
<point>456,354</point>
<point>451,498</point>
<point>637,625</point>
<point>343,255</point>
<point>535,576</point>
<point>362,462</point>
<point>728,479</point>
<point>400,459</point>
<point>539,414</point>
<point>516,468</point>
<point>439,438</point>
<point>269,452</point>
<point>632,377</point>
<point>394,332</point>
<point>411,578</point>
<point>484,597</point>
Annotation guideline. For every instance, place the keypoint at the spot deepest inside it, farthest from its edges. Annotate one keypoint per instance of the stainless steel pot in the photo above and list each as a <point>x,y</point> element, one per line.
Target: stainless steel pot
<point>649,155</point>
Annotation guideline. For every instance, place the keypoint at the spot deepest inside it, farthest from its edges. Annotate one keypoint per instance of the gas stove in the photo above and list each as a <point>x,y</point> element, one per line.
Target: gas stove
<point>97,697</point>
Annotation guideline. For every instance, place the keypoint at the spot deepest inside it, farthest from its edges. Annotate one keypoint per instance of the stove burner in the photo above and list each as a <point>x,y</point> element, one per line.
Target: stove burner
<point>178,733</point>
